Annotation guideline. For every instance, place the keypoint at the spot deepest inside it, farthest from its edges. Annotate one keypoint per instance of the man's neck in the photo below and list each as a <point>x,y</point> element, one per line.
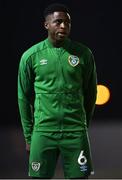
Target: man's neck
<point>56,44</point>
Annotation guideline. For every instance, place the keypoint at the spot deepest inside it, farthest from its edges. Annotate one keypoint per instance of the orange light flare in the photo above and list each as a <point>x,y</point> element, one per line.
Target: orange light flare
<point>103,94</point>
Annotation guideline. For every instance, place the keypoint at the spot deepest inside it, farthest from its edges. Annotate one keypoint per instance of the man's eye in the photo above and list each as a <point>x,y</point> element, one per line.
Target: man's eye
<point>58,21</point>
<point>67,22</point>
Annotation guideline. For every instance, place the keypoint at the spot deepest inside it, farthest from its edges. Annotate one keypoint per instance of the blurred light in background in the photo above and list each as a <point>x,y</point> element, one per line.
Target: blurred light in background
<point>103,94</point>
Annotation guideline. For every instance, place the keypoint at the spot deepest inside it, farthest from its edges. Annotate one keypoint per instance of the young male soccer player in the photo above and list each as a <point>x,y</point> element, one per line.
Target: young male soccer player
<point>58,76</point>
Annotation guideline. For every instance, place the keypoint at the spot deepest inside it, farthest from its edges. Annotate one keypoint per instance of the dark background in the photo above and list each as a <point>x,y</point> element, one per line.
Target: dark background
<point>97,24</point>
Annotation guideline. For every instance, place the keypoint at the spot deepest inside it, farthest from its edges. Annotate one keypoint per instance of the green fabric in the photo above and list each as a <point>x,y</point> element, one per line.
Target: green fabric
<point>73,148</point>
<point>54,92</point>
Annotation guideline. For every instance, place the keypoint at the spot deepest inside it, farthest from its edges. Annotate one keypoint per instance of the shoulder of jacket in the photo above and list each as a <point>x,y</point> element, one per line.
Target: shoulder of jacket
<point>81,47</point>
<point>33,50</point>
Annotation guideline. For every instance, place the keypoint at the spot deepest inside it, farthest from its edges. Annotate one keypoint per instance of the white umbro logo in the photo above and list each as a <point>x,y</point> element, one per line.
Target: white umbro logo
<point>43,61</point>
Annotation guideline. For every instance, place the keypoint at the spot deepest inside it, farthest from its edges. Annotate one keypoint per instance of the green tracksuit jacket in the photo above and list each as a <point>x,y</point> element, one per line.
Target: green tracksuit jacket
<point>60,83</point>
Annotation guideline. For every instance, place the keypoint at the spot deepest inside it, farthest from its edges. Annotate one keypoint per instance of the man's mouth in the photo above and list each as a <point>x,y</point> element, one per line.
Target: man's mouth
<point>62,33</point>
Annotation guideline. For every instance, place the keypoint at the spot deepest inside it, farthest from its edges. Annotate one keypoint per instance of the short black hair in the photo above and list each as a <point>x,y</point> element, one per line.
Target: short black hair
<point>56,7</point>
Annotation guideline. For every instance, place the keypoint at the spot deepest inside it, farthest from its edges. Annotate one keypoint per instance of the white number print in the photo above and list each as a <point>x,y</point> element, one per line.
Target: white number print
<point>82,159</point>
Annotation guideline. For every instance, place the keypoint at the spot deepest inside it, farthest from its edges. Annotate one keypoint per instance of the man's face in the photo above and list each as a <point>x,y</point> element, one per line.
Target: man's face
<point>58,25</point>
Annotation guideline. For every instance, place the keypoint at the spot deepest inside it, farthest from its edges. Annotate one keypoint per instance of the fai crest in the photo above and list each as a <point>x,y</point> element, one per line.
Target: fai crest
<point>73,60</point>
<point>35,166</point>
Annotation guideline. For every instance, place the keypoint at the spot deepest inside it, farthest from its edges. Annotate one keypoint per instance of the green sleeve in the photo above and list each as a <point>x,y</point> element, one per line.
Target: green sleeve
<point>25,94</point>
<point>90,87</point>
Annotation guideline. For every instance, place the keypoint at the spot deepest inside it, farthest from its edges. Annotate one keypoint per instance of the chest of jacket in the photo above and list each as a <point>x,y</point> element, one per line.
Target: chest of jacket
<point>57,68</point>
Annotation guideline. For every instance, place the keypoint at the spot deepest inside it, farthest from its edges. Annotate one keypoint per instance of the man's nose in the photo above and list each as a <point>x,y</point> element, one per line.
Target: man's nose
<point>62,25</point>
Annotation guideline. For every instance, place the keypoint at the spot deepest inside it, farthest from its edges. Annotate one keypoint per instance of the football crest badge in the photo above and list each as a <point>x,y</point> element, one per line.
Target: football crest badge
<point>35,166</point>
<point>73,60</point>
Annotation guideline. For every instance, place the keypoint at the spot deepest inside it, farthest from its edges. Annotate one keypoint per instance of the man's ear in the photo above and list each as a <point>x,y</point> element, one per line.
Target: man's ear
<point>46,25</point>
